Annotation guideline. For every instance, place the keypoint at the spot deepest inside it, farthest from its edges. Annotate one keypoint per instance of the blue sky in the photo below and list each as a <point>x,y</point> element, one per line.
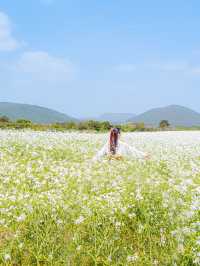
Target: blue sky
<point>86,57</point>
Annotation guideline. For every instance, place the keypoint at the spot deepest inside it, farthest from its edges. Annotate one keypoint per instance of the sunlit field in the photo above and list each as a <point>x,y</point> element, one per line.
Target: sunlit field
<point>59,207</point>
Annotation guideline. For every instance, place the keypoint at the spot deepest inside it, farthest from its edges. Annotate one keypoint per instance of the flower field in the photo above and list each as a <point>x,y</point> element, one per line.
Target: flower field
<point>59,207</point>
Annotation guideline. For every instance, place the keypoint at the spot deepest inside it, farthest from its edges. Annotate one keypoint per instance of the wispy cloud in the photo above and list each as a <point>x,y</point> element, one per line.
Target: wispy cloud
<point>157,66</point>
<point>42,66</point>
<point>196,70</point>
<point>37,66</point>
<point>170,66</point>
<point>7,40</point>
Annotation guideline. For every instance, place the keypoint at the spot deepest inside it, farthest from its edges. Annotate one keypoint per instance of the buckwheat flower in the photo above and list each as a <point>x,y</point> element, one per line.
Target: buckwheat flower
<point>131,215</point>
<point>162,239</point>
<point>109,258</point>
<point>79,248</point>
<point>79,220</point>
<point>7,257</point>
<point>59,222</point>
<point>189,214</point>
<point>140,228</point>
<point>132,258</point>
<point>197,260</point>
<point>34,154</point>
<point>21,245</point>
<point>30,208</point>
<point>2,221</point>
<point>50,256</point>
<point>21,218</point>
<point>138,195</point>
<point>155,262</point>
<point>123,210</point>
<point>181,248</point>
<point>118,224</point>
<point>198,241</point>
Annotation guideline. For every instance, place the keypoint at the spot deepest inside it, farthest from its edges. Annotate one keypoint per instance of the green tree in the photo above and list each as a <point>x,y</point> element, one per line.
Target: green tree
<point>105,125</point>
<point>93,125</point>
<point>4,119</point>
<point>82,126</point>
<point>164,124</point>
<point>140,126</point>
<point>70,125</point>
<point>23,123</point>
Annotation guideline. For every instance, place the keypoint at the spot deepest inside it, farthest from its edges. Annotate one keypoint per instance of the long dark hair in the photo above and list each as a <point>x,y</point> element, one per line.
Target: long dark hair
<point>114,136</point>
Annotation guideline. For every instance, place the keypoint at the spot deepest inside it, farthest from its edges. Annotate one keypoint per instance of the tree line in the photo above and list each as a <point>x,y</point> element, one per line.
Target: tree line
<point>90,125</point>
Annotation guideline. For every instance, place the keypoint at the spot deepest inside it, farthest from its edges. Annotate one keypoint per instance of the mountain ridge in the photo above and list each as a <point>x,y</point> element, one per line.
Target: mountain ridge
<point>177,115</point>
<point>35,113</point>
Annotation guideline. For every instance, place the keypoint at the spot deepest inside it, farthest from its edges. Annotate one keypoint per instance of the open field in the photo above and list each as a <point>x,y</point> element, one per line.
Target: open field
<point>58,207</point>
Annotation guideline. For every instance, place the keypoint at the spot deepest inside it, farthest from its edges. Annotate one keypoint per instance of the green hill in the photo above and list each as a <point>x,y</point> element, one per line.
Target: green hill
<point>175,114</point>
<point>34,113</point>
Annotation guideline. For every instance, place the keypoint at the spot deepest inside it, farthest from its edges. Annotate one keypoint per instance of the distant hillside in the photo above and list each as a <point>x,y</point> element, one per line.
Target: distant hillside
<point>34,113</point>
<point>115,118</point>
<point>175,114</point>
<point>87,118</point>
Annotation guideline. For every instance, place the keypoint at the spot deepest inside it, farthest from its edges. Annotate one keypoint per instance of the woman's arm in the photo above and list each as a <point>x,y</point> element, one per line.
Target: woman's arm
<point>132,151</point>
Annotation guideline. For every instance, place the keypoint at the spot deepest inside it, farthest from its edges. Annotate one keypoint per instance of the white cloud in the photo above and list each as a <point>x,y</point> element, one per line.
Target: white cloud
<point>171,66</point>
<point>41,66</point>
<point>196,70</point>
<point>7,41</point>
<point>162,66</point>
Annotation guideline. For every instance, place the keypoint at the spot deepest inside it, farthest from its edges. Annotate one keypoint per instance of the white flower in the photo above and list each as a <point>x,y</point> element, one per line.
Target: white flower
<point>21,218</point>
<point>132,258</point>
<point>131,215</point>
<point>180,248</point>
<point>59,221</point>
<point>79,248</point>
<point>21,245</point>
<point>138,195</point>
<point>197,261</point>
<point>7,257</point>
<point>123,210</point>
<point>79,220</point>
<point>109,258</point>
<point>2,221</point>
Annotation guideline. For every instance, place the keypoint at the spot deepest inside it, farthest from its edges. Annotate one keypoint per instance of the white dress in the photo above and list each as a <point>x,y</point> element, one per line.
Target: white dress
<point>123,149</point>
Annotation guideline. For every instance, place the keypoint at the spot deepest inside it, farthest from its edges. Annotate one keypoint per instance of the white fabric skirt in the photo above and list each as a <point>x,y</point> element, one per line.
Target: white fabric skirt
<point>123,149</point>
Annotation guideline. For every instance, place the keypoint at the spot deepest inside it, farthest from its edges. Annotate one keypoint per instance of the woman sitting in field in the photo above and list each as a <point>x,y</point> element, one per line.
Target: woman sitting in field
<point>116,149</point>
